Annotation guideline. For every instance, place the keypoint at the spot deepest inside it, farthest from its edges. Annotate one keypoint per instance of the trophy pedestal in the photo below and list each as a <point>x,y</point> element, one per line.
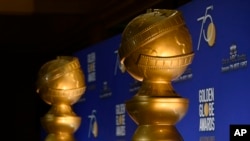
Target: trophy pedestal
<point>156,117</point>
<point>157,132</point>
<point>60,128</point>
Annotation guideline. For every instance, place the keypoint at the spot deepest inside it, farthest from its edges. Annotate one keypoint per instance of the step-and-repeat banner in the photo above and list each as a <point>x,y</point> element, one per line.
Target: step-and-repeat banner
<point>217,83</point>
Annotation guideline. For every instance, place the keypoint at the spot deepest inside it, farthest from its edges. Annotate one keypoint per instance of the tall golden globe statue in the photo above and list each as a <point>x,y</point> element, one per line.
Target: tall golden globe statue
<point>156,48</point>
<point>61,83</point>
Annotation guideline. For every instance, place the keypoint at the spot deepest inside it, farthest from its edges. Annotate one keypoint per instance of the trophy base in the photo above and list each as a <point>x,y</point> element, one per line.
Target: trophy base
<point>156,117</point>
<point>60,128</point>
<point>157,133</point>
<point>60,137</point>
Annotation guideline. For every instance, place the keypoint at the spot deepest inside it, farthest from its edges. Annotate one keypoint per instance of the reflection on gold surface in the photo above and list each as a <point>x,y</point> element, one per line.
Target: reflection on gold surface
<point>156,48</point>
<point>60,84</point>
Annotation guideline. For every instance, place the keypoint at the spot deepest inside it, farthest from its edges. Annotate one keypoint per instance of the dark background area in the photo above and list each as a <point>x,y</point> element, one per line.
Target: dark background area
<point>33,32</point>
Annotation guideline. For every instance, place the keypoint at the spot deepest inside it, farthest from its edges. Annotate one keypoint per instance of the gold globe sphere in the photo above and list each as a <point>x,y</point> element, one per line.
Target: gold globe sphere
<point>156,45</point>
<point>61,80</point>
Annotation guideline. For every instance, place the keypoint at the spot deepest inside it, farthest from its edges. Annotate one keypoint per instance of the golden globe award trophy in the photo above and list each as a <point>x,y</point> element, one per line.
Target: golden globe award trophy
<point>156,48</point>
<point>61,83</point>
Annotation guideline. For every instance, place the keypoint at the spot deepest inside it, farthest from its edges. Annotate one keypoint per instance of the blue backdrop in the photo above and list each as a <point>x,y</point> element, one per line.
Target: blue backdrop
<point>216,83</point>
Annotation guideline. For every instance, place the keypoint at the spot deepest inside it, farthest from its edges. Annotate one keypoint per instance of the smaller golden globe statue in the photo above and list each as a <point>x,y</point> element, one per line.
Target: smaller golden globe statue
<point>156,48</point>
<point>61,83</point>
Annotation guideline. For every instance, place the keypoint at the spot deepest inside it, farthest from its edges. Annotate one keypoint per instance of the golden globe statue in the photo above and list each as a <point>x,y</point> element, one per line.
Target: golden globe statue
<point>156,48</point>
<point>61,83</point>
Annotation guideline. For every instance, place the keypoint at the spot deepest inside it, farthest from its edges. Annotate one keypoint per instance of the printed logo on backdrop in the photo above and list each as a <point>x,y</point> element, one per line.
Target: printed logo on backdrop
<point>206,112</point>
<point>207,30</point>
<point>120,112</point>
<point>91,70</point>
<point>118,65</point>
<point>91,74</point>
<point>234,61</point>
<point>106,91</point>
<point>185,76</point>
<point>91,61</point>
<point>93,126</point>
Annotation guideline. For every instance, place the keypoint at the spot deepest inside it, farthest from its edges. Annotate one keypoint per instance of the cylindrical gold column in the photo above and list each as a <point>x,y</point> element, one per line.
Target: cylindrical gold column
<point>156,48</point>
<point>61,83</point>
